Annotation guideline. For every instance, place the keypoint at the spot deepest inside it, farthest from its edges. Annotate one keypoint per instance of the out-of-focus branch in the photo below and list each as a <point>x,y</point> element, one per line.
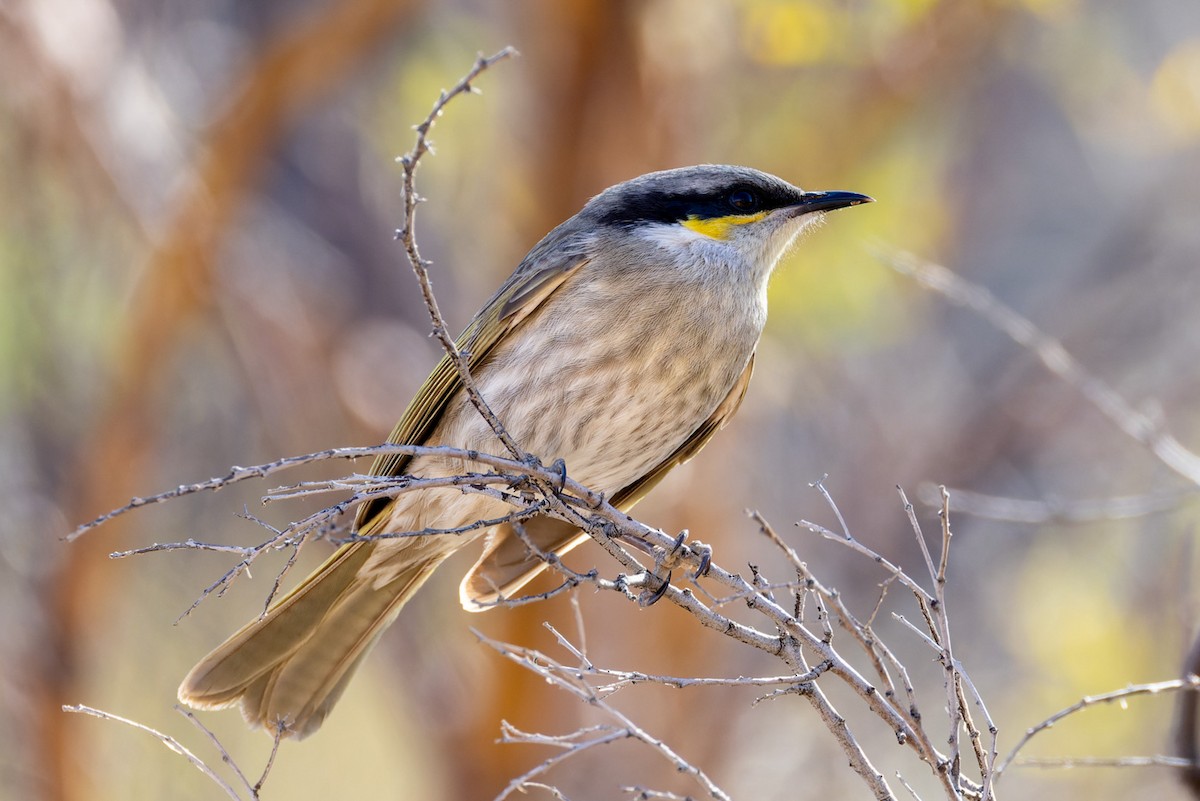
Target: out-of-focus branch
<point>1057,510</point>
<point>1054,357</point>
<point>176,285</point>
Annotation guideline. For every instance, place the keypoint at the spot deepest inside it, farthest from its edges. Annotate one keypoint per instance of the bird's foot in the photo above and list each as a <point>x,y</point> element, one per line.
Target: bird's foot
<point>680,553</point>
<point>651,597</point>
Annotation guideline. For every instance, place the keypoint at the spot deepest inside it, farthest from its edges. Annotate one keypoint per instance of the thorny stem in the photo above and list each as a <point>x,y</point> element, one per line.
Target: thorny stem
<point>407,235</point>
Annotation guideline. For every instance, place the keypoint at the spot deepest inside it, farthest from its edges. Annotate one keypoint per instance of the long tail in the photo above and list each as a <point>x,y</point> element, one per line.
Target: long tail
<point>289,667</point>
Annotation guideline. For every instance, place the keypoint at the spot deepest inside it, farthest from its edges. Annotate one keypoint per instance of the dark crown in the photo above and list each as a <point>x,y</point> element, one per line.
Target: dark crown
<point>703,192</point>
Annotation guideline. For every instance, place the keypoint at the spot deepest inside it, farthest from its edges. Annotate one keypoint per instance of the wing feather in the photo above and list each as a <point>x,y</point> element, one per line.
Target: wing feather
<point>543,271</point>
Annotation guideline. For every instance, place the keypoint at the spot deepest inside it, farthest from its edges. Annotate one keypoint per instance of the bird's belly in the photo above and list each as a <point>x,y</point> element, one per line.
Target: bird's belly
<point>612,414</point>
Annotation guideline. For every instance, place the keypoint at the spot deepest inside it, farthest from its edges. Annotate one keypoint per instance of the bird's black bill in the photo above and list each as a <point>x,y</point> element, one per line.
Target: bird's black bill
<point>828,201</point>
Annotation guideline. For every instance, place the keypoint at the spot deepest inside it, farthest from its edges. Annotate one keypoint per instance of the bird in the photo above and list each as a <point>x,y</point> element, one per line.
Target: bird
<point>620,345</point>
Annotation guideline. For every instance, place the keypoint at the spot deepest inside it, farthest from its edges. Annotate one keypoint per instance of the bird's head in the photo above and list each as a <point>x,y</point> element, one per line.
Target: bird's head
<point>736,214</point>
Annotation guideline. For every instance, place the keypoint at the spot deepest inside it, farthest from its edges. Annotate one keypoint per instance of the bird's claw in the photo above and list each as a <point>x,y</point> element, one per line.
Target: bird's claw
<point>669,559</point>
<point>651,598</point>
<point>560,467</point>
<point>705,552</point>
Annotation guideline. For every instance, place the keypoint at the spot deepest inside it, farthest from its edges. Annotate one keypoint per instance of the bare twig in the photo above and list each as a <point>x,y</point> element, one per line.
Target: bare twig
<point>1190,684</point>
<point>646,794</point>
<point>551,789</point>
<point>933,608</point>
<point>238,474</point>
<point>906,580</point>
<point>939,619</point>
<point>280,729</point>
<point>173,744</point>
<point>572,744</point>
<point>574,680</point>
<point>407,235</point>
<point>225,756</point>
<point>836,724</point>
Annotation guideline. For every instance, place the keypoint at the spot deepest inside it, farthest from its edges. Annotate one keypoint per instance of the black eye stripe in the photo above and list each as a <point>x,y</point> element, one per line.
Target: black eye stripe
<point>650,206</point>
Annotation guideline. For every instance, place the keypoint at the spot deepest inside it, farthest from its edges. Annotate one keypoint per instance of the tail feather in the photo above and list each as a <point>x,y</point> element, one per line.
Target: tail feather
<point>290,666</point>
<point>508,564</point>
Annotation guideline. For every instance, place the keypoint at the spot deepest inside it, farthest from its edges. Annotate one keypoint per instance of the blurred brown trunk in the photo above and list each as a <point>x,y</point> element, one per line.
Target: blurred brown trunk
<point>304,63</point>
<point>594,122</point>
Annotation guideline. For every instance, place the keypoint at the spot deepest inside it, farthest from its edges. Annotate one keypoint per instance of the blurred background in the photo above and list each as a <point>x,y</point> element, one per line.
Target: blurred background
<point>197,270</point>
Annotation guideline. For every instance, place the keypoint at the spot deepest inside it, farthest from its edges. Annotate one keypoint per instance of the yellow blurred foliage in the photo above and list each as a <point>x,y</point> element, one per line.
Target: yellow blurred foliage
<point>1175,91</point>
<point>790,33</point>
<point>1051,10</point>
<point>1071,627</point>
<point>830,287</point>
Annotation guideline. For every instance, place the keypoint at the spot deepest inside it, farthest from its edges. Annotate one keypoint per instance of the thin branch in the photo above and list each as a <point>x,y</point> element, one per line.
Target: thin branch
<point>420,265</point>
<point>836,724</point>
<point>574,681</point>
<point>880,560</point>
<point>939,619</point>
<point>238,474</point>
<point>189,544</point>
<point>624,678</point>
<point>225,755</point>
<point>875,650</point>
<point>646,794</point>
<point>549,788</point>
<point>1191,684</point>
<point>173,744</point>
<point>573,745</point>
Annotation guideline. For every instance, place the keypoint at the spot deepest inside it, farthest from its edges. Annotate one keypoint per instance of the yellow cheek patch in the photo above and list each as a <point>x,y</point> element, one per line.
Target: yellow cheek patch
<point>720,227</point>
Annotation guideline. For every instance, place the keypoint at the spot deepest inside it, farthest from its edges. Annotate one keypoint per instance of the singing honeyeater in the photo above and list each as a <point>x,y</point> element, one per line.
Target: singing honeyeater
<point>622,342</point>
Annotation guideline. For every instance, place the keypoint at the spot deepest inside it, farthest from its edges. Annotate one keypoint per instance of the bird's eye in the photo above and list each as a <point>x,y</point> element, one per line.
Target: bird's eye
<point>743,201</point>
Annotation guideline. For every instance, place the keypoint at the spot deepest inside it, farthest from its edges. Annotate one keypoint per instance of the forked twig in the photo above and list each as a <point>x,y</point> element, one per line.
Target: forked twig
<point>575,681</point>
<point>173,744</point>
